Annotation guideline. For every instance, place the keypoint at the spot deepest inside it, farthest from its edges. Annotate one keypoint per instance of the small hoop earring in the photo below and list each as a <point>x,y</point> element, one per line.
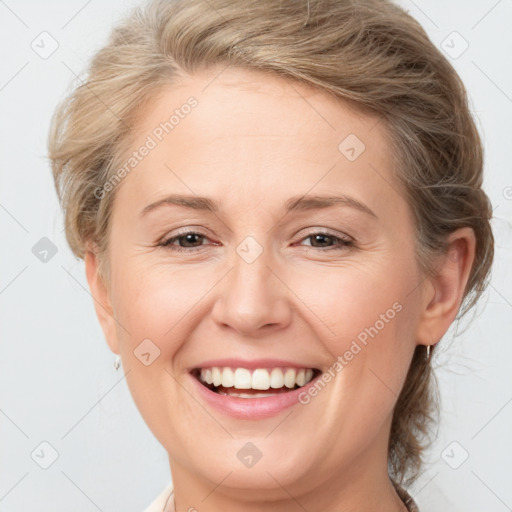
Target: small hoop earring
<point>117,363</point>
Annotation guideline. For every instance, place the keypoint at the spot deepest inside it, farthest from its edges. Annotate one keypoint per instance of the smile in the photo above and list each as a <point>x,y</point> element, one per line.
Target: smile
<point>253,383</point>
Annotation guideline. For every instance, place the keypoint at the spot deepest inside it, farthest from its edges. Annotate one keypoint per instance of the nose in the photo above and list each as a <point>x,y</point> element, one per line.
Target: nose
<point>253,300</point>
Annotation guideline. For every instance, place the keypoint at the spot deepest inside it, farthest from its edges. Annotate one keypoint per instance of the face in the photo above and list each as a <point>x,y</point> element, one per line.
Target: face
<point>264,240</point>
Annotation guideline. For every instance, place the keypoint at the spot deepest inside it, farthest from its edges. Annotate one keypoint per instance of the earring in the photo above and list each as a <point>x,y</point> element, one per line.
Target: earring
<point>117,363</point>
<point>428,353</point>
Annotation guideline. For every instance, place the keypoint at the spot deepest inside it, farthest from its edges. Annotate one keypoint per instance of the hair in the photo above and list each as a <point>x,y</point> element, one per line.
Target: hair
<point>369,53</point>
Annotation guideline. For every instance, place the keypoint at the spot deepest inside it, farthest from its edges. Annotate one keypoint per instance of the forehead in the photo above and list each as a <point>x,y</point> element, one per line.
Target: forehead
<point>252,133</point>
<point>229,98</point>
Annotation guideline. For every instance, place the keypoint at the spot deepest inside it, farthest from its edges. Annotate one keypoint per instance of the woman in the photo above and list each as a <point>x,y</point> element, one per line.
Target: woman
<point>280,210</point>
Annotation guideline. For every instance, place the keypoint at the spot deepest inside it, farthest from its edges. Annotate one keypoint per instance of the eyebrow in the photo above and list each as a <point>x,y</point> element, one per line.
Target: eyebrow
<point>297,203</point>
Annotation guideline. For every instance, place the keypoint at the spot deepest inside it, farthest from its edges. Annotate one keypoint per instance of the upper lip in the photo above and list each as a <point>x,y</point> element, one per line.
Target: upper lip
<point>251,364</point>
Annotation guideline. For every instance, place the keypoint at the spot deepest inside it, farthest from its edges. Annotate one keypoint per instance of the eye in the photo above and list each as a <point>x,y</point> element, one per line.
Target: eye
<point>327,241</point>
<point>191,241</point>
<point>187,241</point>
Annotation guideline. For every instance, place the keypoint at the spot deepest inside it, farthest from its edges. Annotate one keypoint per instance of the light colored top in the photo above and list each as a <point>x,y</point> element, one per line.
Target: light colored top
<point>159,504</point>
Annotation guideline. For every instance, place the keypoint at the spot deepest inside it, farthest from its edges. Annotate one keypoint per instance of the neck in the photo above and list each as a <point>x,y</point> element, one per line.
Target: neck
<point>386,500</point>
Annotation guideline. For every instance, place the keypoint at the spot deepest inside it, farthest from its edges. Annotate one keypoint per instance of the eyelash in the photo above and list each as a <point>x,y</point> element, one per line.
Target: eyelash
<point>343,243</point>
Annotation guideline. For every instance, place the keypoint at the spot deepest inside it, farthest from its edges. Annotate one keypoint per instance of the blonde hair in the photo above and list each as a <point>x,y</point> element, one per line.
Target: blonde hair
<point>370,53</point>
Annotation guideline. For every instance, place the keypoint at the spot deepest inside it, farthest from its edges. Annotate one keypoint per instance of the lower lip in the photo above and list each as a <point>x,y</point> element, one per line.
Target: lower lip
<point>250,408</point>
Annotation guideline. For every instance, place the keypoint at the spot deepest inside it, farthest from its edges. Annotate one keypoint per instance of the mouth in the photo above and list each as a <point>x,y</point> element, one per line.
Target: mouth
<point>253,383</point>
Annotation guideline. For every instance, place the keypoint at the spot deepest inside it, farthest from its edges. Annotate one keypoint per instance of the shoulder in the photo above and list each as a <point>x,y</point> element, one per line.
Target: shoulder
<point>159,503</point>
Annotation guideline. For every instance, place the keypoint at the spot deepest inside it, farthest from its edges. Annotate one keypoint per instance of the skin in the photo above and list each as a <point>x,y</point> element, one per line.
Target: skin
<point>253,142</point>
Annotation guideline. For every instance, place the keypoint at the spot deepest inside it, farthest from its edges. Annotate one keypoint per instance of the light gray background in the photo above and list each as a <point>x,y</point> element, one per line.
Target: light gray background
<point>57,382</point>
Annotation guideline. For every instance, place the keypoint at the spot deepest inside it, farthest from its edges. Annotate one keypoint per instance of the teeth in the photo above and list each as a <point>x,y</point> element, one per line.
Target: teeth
<point>247,395</point>
<point>206,376</point>
<point>289,378</point>
<point>216,376</point>
<point>260,378</point>
<point>242,378</point>
<point>276,378</point>
<point>228,377</point>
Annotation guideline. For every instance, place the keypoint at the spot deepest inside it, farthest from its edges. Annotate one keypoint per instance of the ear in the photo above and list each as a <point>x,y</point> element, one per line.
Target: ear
<point>101,297</point>
<point>445,289</point>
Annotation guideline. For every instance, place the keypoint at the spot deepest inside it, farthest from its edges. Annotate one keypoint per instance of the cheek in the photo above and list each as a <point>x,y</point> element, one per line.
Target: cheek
<point>158,308</point>
<point>354,303</point>
<point>158,303</point>
<point>366,320</point>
